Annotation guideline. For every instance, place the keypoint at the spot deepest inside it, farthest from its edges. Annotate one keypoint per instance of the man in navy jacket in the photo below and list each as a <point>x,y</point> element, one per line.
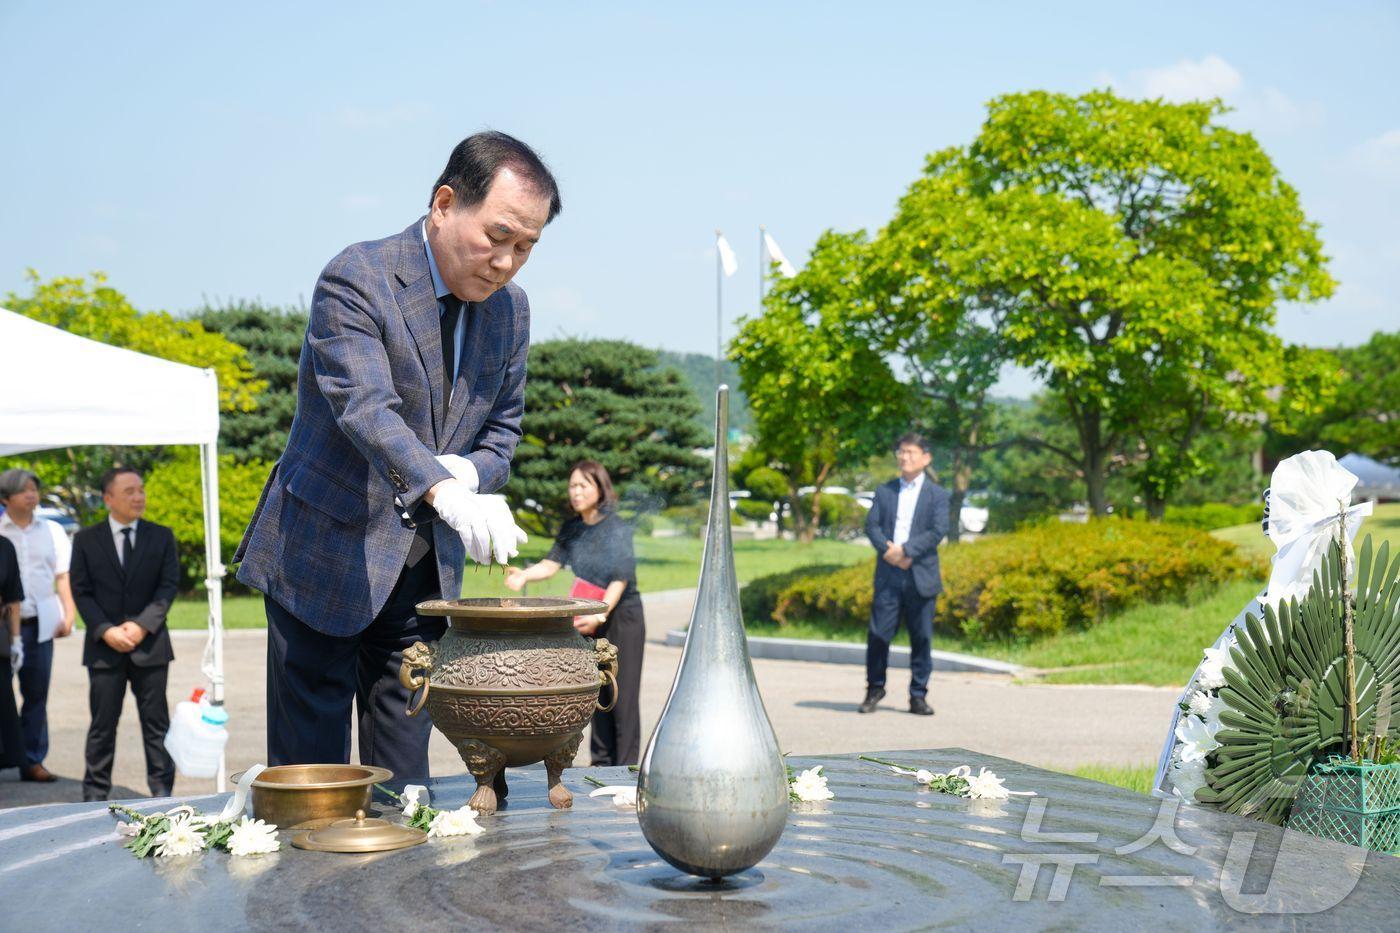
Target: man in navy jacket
<point>409,396</point>
<point>906,523</point>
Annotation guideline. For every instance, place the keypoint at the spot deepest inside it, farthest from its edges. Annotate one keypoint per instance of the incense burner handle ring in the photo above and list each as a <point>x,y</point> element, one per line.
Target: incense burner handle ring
<point>607,671</point>
<point>418,657</point>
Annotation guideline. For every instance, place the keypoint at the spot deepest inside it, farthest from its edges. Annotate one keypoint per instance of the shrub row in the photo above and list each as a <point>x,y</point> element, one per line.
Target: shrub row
<point>1025,584</point>
<point>1214,515</point>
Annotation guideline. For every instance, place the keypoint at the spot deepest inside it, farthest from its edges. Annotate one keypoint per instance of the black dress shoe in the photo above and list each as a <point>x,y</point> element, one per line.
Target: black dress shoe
<point>94,798</point>
<point>873,696</point>
<point>919,707</point>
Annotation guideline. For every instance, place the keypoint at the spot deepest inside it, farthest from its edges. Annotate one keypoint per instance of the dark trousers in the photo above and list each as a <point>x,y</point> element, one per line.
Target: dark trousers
<point>617,734</point>
<point>106,691</point>
<point>315,681</point>
<point>11,735</point>
<point>898,600</point>
<point>34,688</point>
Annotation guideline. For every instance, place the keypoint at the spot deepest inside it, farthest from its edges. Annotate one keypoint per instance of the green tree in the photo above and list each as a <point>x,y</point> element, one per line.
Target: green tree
<point>605,400</point>
<point>1364,414</point>
<point>1132,254</point>
<point>821,396</point>
<point>272,338</point>
<point>175,498</point>
<point>699,372</point>
<point>97,311</point>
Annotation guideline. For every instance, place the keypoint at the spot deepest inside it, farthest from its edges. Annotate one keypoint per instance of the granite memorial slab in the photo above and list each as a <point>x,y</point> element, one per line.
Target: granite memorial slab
<point>885,854</point>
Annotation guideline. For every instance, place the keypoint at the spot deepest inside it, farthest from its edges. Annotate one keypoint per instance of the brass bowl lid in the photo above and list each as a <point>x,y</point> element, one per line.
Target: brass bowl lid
<point>518,608</point>
<point>360,834</point>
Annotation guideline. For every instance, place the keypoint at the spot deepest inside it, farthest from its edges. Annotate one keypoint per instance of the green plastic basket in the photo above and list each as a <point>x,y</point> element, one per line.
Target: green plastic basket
<point>1358,804</point>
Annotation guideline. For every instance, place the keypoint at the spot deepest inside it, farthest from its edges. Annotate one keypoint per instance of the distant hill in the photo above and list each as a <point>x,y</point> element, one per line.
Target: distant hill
<point>699,371</point>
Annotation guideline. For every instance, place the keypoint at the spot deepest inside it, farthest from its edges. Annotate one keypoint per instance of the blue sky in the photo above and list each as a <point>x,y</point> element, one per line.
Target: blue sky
<point>229,152</point>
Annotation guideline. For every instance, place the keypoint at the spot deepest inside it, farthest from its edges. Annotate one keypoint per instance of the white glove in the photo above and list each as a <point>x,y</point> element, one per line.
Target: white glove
<point>463,469</point>
<point>463,512</point>
<point>506,535</point>
<point>16,654</point>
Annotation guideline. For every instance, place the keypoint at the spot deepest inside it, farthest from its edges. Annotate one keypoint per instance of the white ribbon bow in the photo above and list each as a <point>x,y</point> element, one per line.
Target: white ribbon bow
<point>234,808</point>
<point>1307,496</point>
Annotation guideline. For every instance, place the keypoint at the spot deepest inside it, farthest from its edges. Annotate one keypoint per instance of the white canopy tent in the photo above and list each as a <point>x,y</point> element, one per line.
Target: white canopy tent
<point>93,393</point>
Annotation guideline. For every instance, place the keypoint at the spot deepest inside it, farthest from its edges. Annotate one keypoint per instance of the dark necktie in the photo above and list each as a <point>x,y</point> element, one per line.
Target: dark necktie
<point>126,548</point>
<point>452,310</point>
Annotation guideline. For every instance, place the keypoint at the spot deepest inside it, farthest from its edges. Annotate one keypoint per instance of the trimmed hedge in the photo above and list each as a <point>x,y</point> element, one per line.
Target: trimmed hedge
<point>758,599</point>
<point>1026,584</point>
<point>1213,515</point>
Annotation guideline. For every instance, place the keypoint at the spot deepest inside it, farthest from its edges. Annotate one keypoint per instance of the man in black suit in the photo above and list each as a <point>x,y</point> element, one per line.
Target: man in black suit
<point>906,523</point>
<point>125,574</point>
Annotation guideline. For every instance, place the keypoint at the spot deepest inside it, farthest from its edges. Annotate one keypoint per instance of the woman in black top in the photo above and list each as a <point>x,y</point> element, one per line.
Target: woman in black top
<point>11,595</point>
<point>597,545</point>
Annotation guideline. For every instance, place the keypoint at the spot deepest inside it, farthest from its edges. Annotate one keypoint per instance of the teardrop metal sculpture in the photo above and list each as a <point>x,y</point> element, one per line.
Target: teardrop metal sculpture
<point>712,796</point>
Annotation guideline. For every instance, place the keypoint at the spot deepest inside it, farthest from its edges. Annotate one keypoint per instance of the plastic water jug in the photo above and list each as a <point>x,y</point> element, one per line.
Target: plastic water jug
<point>198,733</point>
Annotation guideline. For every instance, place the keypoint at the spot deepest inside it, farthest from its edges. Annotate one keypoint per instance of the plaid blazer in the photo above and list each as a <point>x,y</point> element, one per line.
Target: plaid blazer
<point>327,540</point>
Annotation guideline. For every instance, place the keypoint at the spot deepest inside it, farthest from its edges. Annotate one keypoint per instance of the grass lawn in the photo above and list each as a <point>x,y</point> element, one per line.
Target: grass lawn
<point>1138,779</point>
<point>1383,525</point>
<point>662,564</point>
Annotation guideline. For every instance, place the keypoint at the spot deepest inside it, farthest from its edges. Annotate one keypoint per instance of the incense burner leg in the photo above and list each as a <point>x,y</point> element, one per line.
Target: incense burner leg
<point>484,763</point>
<point>554,764</point>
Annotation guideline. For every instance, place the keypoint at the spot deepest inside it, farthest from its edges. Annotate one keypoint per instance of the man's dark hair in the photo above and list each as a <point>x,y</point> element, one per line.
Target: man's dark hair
<point>475,161</point>
<point>915,438</point>
<point>111,475</point>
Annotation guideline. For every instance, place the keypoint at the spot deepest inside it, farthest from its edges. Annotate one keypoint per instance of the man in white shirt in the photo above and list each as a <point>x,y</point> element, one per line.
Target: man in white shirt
<point>46,613</point>
<point>906,523</point>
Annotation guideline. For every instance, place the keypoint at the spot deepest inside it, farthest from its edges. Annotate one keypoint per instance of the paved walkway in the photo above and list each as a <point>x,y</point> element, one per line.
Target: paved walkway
<point>812,707</point>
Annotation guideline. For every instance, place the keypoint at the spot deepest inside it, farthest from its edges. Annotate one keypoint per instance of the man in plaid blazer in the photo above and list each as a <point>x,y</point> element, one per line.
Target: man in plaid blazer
<point>409,395</point>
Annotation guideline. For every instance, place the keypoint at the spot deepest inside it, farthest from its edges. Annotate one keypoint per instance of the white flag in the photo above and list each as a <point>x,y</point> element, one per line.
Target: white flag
<point>726,255</point>
<point>775,254</point>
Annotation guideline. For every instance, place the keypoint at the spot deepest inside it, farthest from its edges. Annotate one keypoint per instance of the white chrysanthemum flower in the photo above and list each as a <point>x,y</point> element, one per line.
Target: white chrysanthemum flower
<point>182,838</point>
<point>1197,738</point>
<point>985,785</point>
<point>459,822</point>
<point>253,837</point>
<point>810,786</point>
<point>923,777</point>
<point>1199,704</point>
<point>1212,673</point>
<point>1187,777</point>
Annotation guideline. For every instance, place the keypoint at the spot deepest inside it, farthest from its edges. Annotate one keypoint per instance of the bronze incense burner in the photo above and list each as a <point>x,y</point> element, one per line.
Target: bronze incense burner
<point>510,683</point>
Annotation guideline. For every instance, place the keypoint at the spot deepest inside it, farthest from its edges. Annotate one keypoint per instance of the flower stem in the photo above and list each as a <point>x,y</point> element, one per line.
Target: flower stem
<point>594,781</point>
<point>634,769</point>
<point>126,811</point>
<point>880,761</point>
<point>397,798</point>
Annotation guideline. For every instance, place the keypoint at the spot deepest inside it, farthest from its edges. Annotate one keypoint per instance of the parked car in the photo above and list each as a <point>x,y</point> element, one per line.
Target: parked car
<point>68,523</point>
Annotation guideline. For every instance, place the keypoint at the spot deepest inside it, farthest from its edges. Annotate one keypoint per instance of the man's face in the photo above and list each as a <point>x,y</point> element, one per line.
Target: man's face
<point>23,503</point>
<point>478,249</point>
<point>126,498</point>
<point>912,460</point>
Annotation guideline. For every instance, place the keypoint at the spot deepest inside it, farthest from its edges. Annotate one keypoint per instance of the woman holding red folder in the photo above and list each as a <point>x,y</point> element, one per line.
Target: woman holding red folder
<point>597,545</point>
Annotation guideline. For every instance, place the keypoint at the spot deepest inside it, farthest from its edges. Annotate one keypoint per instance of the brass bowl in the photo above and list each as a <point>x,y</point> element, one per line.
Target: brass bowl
<point>313,796</point>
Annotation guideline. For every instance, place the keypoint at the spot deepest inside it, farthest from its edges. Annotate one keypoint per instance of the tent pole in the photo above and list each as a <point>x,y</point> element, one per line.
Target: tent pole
<point>214,583</point>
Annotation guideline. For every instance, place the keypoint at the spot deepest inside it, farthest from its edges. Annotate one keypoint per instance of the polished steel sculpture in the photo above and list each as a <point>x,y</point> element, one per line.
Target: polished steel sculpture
<point>712,796</point>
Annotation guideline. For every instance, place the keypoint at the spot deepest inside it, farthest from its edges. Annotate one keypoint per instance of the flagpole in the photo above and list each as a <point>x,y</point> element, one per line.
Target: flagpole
<point>719,311</point>
<point>762,264</point>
